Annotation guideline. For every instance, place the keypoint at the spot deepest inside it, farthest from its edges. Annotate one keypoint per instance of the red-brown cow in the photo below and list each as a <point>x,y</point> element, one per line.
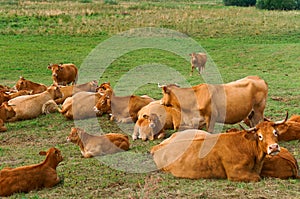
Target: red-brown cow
<point>291,129</point>
<point>6,112</point>
<point>94,145</point>
<point>225,103</point>
<point>63,74</point>
<point>123,109</point>
<point>35,88</point>
<point>27,178</point>
<point>237,156</point>
<point>198,60</point>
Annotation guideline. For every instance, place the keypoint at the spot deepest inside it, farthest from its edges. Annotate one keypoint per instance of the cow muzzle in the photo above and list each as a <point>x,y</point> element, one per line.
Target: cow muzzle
<point>54,75</point>
<point>273,149</point>
<point>152,125</point>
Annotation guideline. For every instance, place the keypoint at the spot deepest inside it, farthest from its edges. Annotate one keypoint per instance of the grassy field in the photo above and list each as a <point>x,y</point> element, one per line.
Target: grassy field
<point>239,41</point>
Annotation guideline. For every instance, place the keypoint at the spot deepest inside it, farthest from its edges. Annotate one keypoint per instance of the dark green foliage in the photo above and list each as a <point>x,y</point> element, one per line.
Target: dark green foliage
<point>278,4</point>
<point>239,2</point>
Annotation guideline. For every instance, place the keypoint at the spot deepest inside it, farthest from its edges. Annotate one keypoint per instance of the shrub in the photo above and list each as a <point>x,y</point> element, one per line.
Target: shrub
<point>239,2</point>
<point>278,4</point>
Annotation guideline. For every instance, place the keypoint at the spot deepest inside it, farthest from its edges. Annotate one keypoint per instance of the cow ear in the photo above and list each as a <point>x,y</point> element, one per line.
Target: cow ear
<point>43,153</point>
<point>49,66</point>
<point>165,89</point>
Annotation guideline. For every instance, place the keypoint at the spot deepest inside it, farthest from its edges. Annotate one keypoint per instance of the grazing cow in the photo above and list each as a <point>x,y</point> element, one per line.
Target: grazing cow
<point>93,145</point>
<point>283,165</point>
<point>198,60</point>
<point>31,106</point>
<point>68,91</point>
<point>63,74</point>
<point>80,106</point>
<point>153,119</point>
<point>236,156</point>
<point>32,177</point>
<point>123,109</point>
<point>35,88</point>
<point>6,112</point>
<point>225,103</point>
<point>291,129</point>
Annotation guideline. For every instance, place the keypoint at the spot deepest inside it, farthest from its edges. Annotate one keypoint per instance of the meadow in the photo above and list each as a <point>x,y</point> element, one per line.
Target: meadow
<point>240,41</point>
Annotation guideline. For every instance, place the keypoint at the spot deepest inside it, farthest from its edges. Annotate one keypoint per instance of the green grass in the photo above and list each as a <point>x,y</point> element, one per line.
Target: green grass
<point>240,41</point>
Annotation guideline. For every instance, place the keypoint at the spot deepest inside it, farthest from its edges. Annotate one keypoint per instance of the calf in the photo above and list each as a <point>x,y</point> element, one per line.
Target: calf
<point>80,106</point>
<point>237,156</point>
<point>122,109</point>
<point>291,129</point>
<point>35,88</point>
<point>153,119</point>
<point>93,145</point>
<point>198,60</point>
<point>6,112</point>
<point>63,74</point>
<point>69,91</point>
<point>31,106</point>
<point>27,178</point>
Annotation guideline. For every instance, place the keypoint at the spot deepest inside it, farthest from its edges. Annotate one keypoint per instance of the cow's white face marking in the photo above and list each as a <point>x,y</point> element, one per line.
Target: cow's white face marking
<point>260,137</point>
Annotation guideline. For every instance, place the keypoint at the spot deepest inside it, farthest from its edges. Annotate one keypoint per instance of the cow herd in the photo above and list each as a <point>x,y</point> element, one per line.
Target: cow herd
<point>238,155</point>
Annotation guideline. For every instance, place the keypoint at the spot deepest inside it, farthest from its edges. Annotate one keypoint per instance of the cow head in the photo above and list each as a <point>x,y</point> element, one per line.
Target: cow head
<point>53,156</point>
<point>103,105</point>
<point>6,111</point>
<point>103,87</point>
<point>169,98</point>
<point>73,136</point>
<point>56,69</point>
<point>266,134</point>
<point>55,92</point>
<point>21,84</point>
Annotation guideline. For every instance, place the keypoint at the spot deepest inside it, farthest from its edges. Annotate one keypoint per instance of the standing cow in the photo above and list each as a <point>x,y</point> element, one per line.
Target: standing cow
<point>198,60</point>
<point>63,74</point>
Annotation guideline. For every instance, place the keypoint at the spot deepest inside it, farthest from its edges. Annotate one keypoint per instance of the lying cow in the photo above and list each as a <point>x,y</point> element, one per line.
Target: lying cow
<point>122,109</point>
<point>68,91</point>
<point>236,156</point>
<point>63,74</point>
<point>283,165</point>
<point>93,145</point>
<point>6,112</point>
<point>28,178</point>
<point>225,103</point>
<point>80,106</point>
<point>35,88</point>
<point>291,129</point>
<point>153,119</point>
<point>198,60</point>
<point>4,97</point>
<point>30,106</point>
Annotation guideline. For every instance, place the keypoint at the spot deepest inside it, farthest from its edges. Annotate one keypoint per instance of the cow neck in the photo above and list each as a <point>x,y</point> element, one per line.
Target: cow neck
<point>50,161</point>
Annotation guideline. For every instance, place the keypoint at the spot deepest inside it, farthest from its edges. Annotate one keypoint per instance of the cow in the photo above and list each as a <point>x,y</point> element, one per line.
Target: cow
<point>103,87</point>
<point>122,109</point>
<point>198,60</point>
<point>4,97</point>
<point>236,156</point>
<point>283,165</point>
<point>95,145</point>
<point>32,177</point>
<point>30,106</point>
<point>35,88</point>
<point>291,129</point>
<point>80,106</point>
<point>224,103</point>
<point>153,119</point>
<point>63,74</point>
<point>6,112</point>
<point>68,91</point>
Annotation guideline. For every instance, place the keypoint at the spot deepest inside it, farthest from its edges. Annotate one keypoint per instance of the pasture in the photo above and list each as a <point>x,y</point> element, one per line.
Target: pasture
<point>240,41</point>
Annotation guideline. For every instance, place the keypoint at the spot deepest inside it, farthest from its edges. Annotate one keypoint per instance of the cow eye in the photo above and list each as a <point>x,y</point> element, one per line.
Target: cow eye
<point>260,137</point>
<point>275,132</point>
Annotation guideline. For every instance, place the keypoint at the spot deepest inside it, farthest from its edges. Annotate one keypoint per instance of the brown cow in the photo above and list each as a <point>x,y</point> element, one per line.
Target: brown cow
<point>198,60</point>
<point>31,106</point>
<point>35,88</point>
<point>68,91</point>
<point>4,97</point>
<point>122,109</point>
<point>225,103</point>
<point>153,119</point>
<point>103,87</point>
<point>28,178</point>
<point>94,145</point>
<point>80,106</point>
<point>283,165</point>
<point>291,129</point>
<point>6,112</point>
<point>63,74</point>
<point>236,156</point>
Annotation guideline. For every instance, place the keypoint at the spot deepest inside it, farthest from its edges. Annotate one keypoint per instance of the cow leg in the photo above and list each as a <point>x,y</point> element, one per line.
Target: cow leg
<point>192,70</point>
<point>135,133</point>
<point>210,123</point>
<point>243,176</point>
<point>258,115</point>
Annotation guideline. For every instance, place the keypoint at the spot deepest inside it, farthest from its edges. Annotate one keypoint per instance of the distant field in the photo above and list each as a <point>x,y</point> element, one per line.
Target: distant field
<point>239,41</point>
